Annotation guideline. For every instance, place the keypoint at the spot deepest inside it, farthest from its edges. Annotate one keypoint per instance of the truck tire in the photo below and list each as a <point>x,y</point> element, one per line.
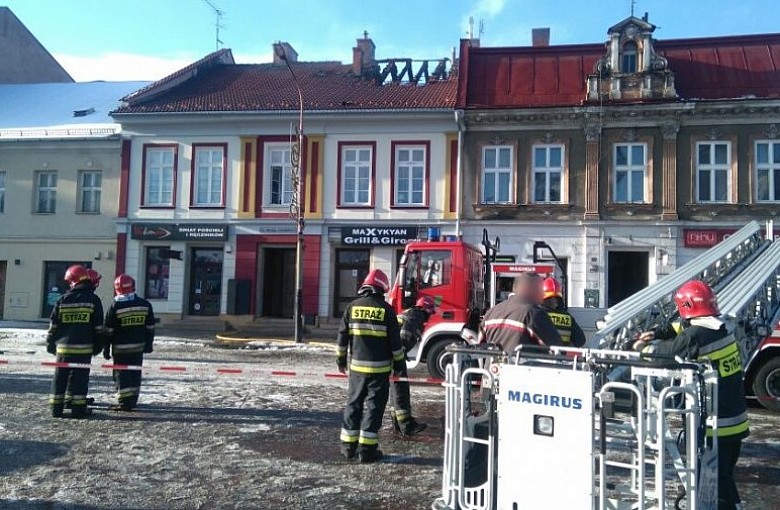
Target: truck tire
<point>766,385</point>
<point>438,357</point>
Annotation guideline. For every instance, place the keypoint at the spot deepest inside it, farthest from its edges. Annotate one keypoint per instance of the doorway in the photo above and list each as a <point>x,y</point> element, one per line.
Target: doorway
<point>3,269</point>
<point>205,281</point>
<point>352,266</point>
<point>627,274</point>
<point>279,282</point>
<point>54,284</point>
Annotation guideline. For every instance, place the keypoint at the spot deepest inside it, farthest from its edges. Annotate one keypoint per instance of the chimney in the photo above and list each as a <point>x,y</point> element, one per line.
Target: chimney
<point>540,37</point>
<point>284,49</point>
<point>363,55</point>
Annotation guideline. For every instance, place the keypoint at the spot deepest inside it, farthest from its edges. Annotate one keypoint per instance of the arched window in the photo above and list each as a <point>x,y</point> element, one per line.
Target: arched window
<point>629,59</point>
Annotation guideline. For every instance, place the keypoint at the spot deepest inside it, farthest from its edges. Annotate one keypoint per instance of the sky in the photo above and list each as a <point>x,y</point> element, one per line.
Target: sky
<point>148,39</point>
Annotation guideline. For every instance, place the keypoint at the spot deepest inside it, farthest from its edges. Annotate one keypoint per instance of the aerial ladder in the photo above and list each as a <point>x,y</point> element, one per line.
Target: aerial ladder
<point>744,272</point>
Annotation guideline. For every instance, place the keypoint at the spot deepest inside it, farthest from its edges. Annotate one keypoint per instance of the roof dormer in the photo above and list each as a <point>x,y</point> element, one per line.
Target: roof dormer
<point>630,69</point>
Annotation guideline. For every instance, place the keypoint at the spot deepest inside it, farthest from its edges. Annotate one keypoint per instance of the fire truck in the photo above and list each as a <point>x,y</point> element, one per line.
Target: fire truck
<point>463,280</point>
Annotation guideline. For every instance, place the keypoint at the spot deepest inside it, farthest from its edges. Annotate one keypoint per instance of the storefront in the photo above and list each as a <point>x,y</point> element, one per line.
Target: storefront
<point>181,266</point>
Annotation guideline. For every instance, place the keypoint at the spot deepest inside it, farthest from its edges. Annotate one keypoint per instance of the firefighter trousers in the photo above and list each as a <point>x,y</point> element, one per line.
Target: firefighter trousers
<point>128,382</point>
<point>366,401</point>
<point>402,398</point>
<point>71,381</point>
<point>729,449</point>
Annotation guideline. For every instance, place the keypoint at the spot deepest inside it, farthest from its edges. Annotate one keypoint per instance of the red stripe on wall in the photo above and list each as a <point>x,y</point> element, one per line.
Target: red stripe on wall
<point>453,176</point>
<point>121,254</point>
<point>247,175</point>
<point>315,173</point>
<point>124,178</point>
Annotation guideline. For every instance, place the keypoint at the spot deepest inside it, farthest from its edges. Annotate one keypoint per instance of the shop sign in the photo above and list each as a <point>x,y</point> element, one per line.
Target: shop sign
<point>179,231</point>
<point>378,236</point>
<point>709,237</point>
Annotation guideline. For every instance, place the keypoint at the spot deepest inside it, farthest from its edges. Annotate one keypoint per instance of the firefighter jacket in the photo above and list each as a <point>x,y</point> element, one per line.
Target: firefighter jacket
<point>369,332</point>
<point>76,323</point>
<point>514,322</point>
<point>130,325</point>
<point>412,322</point>
<point>570,332</point>
<point>712,339</point>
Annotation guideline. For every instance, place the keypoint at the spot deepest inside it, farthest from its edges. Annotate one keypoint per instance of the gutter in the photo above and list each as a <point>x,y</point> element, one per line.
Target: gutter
<point>459,171</point>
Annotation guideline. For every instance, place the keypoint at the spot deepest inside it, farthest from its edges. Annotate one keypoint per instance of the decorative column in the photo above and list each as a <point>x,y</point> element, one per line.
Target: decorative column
<point>592,146</point>
<point>669,182</point>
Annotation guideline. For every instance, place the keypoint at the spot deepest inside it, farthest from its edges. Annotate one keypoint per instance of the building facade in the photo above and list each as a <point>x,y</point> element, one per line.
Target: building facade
<point>628,158</point>
<point>209,179</point>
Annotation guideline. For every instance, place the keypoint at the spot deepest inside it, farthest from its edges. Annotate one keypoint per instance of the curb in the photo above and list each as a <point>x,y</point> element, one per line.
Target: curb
<point>271,341</point>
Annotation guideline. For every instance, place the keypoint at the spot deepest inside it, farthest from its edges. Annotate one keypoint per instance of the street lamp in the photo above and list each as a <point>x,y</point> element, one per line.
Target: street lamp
<point>296,199</point>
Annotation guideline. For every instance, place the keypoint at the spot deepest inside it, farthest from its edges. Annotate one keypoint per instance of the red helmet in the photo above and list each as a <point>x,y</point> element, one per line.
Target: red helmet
<point>94,276</point>
<point>427,304</point>
<point>696,299</point>
<point>75,274</point>
<point>377,279</point>
<point>552,288</point>
<point>124,284</point>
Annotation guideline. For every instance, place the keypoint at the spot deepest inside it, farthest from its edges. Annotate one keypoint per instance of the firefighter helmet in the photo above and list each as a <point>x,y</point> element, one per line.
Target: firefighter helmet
<point>94,276</point>
<point>76,274</point>
<point>427,304</point>
<point>696,299</point>
<point>378,279</point>
<point>124,284</point>
<point>552,288</point>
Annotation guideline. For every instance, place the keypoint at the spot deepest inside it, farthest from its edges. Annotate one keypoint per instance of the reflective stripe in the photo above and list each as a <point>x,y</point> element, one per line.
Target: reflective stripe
<point>349,436</point>
<point>365,363</point>
<point>69,350</point>
<point>709,349</point>
<point>150,328</point>
<point>402,415</point>
<point>56,399</point>
<point>368,438</point>
<point>732,420</point>
<point>565,335</point>
<point>511,324</point>
<point>367,370</point>
<point>368,332</point>
<point>128,347</point>
<point>131,309</point>
<point>367,325</point>
<point>399,355</point>
<point>77,307</point>
<point>128,392</point>
<point>730,431</point>
<point>341,350</point>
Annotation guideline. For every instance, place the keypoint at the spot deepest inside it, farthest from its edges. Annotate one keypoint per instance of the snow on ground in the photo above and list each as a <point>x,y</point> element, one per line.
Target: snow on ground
<point>206,441</point>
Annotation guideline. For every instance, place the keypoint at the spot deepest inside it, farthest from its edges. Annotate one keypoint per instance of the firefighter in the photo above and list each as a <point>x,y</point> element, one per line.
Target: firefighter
<point>520,319</point>
<point>75,330</point>
<point>130,334</point>
<point>570,332</point>
<point>370,334</point>
<point>94,277</point>
<point>411,322</point>
<point>705,335</point>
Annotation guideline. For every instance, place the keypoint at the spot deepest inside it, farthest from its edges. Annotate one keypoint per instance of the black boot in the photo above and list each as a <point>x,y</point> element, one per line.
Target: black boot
<point>370,456</point>
<point>57,410</point>
<point>81,412</point>
<point>348,450</point>
<point>413,427</point>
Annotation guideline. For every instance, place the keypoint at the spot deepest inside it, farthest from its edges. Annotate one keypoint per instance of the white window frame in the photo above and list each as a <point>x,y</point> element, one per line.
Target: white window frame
<point>355,167</point>
<point>92,190</point>
<point>624,54</point>
<point>712,168</point>
<point>214,193</point>
<point>410,166</point>
<point>548,171</point>
<point>157,172</point>
<point>772,169</point>
<point>3,177</point>
<point>50,189</point>
<point>497,171</point>
<point>286,169</point>
<point>630,168</point>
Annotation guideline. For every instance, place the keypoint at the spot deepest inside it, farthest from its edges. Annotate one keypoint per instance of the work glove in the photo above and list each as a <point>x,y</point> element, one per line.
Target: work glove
<point>148,349</point>
<point>107,352</point>
<point>96,349</point>
<point>342,366</point>
<point>51,348</point>
<point>398,368</point>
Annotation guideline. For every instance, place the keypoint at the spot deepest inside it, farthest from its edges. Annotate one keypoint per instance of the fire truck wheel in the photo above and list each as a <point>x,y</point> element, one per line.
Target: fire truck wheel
<point>766,385</point>
<point>438,357</point>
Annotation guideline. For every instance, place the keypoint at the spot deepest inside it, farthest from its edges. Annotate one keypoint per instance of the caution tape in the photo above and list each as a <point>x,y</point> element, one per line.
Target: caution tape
<point>206,369</point>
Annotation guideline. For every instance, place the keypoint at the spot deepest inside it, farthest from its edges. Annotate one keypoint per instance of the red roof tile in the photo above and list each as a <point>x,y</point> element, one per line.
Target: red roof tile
<point>707,68</point>
<point>264,87</point>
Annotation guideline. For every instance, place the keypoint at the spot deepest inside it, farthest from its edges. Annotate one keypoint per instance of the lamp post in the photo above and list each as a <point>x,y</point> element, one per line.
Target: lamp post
<point>296,200</point>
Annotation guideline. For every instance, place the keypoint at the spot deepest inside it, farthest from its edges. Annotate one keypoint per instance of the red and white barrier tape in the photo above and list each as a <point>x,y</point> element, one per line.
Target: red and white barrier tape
<point>204,369</point>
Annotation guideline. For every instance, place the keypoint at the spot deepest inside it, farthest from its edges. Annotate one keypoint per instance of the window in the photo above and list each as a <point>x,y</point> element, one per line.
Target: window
<point>497,174</point>
<point>280,173</point>
<point>630,170</point>
<point>209,172</point>
<point>410,175</point>
<point>90,183</point>
<point>628,63</point>
<point>159,176</point>
<point>547,173</point>
<point>2,192</point>
<point>713,162</point>
<point>356,175</point>
<point>157,272</point>
<point>767,166</point>
<point>46,192</point>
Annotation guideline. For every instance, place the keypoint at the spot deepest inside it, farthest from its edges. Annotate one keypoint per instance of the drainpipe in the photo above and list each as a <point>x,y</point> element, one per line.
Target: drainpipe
<point>459,171</point>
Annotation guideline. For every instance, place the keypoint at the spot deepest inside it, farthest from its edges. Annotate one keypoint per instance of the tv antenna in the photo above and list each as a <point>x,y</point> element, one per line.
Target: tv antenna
<point>218,23</point>
<point>633,4</point>
<point>481,29</point>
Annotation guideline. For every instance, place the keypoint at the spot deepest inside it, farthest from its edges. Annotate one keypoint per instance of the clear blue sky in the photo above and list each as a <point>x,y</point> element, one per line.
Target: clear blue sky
<point>146,39</point>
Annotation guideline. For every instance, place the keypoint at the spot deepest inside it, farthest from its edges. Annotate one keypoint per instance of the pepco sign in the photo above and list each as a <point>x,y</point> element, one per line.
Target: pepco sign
<point>709,237</point>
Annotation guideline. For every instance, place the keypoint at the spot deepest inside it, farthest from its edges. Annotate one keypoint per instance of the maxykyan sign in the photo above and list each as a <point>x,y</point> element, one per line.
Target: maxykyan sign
<point>377,236</point>
<point>179,232</point>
